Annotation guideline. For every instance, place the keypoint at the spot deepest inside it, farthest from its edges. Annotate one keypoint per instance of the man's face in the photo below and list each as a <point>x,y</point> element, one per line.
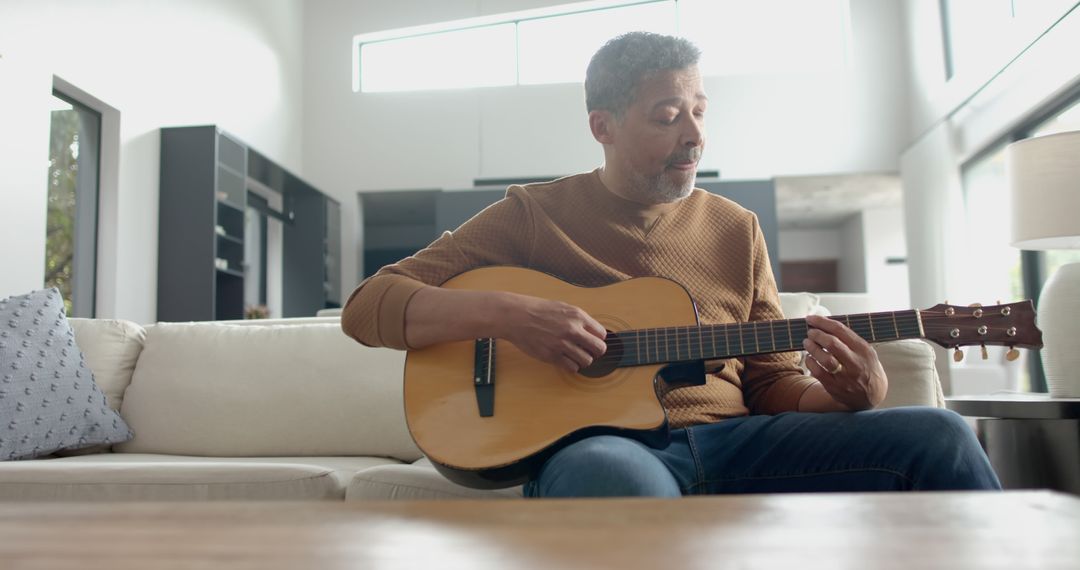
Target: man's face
<point>657,143</point>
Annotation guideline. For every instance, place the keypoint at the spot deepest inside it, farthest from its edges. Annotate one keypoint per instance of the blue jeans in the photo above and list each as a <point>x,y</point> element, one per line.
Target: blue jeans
<point>895,449</point>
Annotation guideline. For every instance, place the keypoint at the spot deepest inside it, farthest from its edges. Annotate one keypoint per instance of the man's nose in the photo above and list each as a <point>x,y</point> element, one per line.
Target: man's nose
<point>694,134</point>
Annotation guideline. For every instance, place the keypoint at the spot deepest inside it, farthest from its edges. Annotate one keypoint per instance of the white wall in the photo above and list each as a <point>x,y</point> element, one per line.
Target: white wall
<point>883,238</point>
<point>862,244</point>
<point>853,253</point>
<point>760,127</point>
<point>235,63</point>
<point>809,244</point>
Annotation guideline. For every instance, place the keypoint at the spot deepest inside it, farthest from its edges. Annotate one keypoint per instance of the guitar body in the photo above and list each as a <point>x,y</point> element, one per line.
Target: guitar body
<point>538,408</point>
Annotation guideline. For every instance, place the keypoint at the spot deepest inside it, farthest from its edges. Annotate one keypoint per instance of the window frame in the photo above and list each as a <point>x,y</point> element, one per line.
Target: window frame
<point>84,271</point>
<point>518,17</point>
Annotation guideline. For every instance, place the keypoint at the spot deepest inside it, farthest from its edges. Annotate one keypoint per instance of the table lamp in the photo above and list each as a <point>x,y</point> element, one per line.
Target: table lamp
<point>1044,178</point>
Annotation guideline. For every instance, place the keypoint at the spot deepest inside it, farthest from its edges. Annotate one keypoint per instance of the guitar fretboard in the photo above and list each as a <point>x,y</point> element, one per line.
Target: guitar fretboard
<point>709,342</point>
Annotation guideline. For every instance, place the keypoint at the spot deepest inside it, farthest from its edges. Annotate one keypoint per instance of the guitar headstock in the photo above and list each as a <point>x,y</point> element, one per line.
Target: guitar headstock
<point>1009,325</point>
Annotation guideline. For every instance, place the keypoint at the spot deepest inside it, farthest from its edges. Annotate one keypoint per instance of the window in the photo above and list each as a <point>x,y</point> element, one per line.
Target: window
<point>981,35</point>
<point>71,227</point>
<point>993,266</point>
<point>973,32</point>
<point>553,45</point>
<point>994,270</point>
<point>558,49</point>
<point>475,57</point>
<point>767,36</point>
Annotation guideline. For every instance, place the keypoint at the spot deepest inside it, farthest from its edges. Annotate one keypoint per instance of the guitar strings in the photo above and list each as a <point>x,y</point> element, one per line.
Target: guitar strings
<point>754,329</point>
<point>653,340</point>
<point>694,334</point>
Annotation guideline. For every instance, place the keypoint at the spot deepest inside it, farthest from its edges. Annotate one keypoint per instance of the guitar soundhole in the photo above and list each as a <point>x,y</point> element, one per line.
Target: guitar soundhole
<point>607,363</point>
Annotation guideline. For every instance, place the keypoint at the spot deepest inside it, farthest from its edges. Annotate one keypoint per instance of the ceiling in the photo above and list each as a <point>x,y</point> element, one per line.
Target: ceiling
<point>817,202</point>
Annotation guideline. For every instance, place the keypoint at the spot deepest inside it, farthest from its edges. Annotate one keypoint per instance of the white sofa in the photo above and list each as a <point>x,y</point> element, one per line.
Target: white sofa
<point>286,409</point>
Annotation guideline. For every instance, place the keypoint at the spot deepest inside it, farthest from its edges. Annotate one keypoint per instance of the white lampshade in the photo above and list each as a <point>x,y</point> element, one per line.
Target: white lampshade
<point>1044,177</point>
<point>1044,174</point>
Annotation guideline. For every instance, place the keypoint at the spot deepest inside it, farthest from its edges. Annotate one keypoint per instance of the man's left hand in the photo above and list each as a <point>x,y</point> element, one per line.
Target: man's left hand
<point>845,364</point>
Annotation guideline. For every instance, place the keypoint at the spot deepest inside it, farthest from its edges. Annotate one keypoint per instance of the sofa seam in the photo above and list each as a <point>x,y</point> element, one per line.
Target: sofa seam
<point>306,478</point>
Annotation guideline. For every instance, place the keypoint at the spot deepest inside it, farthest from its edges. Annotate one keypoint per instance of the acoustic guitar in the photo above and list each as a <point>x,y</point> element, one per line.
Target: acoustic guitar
<point>488,415</point>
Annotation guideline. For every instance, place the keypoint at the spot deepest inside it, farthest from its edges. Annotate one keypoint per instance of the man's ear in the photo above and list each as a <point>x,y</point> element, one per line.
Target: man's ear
<point>602,124</point>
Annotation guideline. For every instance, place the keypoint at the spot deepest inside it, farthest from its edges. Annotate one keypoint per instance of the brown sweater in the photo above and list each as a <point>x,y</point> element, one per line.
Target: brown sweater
<point>576,229</point>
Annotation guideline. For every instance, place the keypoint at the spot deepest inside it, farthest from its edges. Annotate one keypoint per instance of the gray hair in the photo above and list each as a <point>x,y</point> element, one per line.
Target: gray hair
<point>616,68</point>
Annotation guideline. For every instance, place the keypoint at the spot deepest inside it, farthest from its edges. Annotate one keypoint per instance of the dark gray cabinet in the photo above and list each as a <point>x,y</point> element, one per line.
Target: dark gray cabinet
<point>203,208</point>
<point>397,224</point>
<point>312,276</point>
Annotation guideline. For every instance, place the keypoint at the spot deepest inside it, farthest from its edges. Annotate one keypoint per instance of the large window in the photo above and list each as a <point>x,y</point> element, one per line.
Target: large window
<point>740,37</point>
<point>557,49</point>
<point>992,273</point>
<point>553,45</point>
<point>474,57</point>
<point>71,226</point>
<point>980,36</point>
<point>993,269</point>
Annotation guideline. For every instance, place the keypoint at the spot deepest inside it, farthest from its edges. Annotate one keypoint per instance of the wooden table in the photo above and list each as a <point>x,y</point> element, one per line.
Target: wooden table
<point>1020,529</point>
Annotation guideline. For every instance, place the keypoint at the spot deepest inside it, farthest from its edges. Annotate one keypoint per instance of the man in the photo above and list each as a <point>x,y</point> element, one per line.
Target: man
<point>756,425</point>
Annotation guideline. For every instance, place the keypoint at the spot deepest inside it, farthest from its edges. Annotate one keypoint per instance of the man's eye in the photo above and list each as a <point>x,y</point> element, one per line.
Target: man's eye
<point>667,120</point>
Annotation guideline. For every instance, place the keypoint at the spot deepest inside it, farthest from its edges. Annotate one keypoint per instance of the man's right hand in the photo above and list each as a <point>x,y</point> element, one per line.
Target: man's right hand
<point>554,332</point>
<point>550,331</point>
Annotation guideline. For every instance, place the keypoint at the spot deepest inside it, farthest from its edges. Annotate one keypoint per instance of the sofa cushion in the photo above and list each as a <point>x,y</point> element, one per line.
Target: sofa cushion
<point>913,378</point>
<point>798,305</point>
<point>111,347</point>
<point>57,480</point>
<point>342,468</point>
<point>223,390</point>
<point>418,481</point>
<point>48,398</point>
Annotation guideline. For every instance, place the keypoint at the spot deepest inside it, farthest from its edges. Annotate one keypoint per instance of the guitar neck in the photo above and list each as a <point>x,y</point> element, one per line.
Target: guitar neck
<point>717,342</point>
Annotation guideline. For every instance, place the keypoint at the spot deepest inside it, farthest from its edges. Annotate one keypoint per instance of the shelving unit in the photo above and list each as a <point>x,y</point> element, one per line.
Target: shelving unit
<point>206,175</point>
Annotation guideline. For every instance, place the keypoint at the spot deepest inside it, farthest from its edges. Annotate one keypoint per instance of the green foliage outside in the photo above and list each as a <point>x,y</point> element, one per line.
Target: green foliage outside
<point>60,224</point>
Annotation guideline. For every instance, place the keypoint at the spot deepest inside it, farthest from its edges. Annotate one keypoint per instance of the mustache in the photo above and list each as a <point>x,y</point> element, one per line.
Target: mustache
<point>692,155</point>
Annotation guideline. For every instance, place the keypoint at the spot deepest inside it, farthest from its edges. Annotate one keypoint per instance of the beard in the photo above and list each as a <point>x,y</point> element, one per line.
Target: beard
<point>666,186</point>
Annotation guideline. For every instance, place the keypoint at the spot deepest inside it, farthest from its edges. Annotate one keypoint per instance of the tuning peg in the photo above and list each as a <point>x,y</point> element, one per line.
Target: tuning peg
<point>984,355</point>
<point>958,355</point>
<point>1012,355</point>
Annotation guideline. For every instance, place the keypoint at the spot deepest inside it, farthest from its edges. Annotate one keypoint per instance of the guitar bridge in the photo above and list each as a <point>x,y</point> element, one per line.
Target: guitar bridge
<point>484,376</point>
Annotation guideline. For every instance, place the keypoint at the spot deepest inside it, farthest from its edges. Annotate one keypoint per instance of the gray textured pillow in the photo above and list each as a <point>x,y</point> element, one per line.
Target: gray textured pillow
<point>48,398</point>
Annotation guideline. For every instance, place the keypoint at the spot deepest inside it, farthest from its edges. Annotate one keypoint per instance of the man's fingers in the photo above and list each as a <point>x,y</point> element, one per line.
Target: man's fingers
<point>567,364</point>
<point>577,355</point>
<point>596,347</point>
<point>827,353</point>
<point>595,328</point>
<point>818,356</point>
<point>838,330</point>
<point>816,370</point>
<point>842,338</point>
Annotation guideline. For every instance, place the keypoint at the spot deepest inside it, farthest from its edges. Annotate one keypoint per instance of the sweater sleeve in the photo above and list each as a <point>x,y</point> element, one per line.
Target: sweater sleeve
<point>501,234</point>
<point>772,383</point>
